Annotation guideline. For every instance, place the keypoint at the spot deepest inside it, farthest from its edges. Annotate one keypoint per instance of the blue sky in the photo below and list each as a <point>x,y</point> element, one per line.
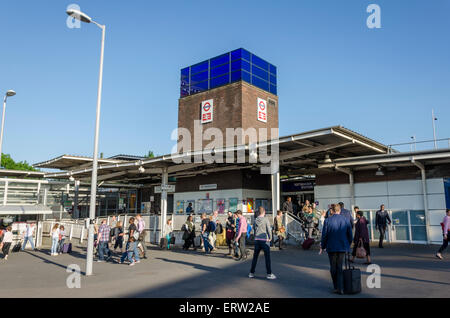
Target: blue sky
<point>332,69</point>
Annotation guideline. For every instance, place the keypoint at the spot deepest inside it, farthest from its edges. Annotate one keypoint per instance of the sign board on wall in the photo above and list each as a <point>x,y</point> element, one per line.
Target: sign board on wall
<point>208,187</point>
<point>207,111</point>
<point>169,188</point>
<point>262,110</point>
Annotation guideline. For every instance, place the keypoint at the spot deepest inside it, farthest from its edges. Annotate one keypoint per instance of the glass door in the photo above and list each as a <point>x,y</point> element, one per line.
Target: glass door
<point>400,226</point>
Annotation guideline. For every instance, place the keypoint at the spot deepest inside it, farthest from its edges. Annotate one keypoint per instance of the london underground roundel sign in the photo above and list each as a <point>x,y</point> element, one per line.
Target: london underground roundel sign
<point>207,111</point>
<point>262,110</point>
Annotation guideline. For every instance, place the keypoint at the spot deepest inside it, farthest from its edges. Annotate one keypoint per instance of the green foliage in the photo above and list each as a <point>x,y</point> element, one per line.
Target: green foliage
<point>150,154</point>
<point>9,163</point>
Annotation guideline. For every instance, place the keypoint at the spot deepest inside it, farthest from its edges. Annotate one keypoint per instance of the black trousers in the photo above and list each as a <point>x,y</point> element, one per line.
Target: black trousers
<point>265,246</point>
<point>188,242</point>
<point>5,249</point>
<point>382,230</point>
<point>444,243</point>
<point>336,269</point>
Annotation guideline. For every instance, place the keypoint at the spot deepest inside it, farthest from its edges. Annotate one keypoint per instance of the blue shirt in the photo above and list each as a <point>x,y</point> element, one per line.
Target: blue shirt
<point>348,215</point>
<point>336,234</point>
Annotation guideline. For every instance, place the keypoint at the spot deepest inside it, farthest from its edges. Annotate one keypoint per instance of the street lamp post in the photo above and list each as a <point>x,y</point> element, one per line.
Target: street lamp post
<point>90,248</point>
<point>434,128</point>
<point>9,93</point>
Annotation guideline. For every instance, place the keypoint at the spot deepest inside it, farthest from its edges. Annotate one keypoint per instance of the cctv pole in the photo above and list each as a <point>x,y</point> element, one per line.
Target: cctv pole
<point>90,246</point>
<point>3,124</point>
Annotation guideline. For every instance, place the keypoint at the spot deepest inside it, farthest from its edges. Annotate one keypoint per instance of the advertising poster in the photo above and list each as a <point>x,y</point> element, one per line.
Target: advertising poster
<point>205,206</point>
<point>233,205</point>
<point>190,209</point>
<point>220,205</point>
<point>180,207</point>
<point>250,205</point>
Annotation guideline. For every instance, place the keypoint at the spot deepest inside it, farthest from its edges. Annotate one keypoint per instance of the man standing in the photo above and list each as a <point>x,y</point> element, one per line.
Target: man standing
<point>347,214</point>
<point>446,233</point>
<point>241,234</point>
<point>212,234</point>
<point>287,205</point>
<point>103,240</point>
<point>336,240</point>
<point>28,236</point>
<point>263,236</point>
<point>142,232</point>
<point>189,208</point>
<point>382,219</point>
<point>205,234</point>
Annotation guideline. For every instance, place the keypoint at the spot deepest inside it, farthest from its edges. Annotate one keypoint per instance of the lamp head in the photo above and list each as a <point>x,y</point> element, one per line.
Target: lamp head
<point>10,93</point>
<point>79,15</point>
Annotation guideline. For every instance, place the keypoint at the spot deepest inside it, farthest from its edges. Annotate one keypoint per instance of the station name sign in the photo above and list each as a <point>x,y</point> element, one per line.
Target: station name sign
<point>207,111</point>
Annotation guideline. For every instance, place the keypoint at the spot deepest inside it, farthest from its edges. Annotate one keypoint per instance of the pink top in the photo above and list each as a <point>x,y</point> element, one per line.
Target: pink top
<point>446,222</point>
<point>242,227</point>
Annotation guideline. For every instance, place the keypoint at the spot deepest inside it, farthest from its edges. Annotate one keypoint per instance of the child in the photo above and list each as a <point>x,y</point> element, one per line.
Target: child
<point>129,253</point>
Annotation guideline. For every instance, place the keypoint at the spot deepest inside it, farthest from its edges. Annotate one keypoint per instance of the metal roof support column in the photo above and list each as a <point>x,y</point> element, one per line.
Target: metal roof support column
<point>76,212</point>
<point>163,220</point>
<point>421,166</point>
<point>351,180</point>
<point>275,177</point>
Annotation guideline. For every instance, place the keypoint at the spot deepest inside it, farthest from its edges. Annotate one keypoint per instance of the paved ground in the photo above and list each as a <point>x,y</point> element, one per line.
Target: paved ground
<point>407,271</point>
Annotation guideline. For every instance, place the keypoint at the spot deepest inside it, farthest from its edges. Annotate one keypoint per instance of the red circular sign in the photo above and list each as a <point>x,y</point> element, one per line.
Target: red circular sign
<point>262,105</point>
<point>207,107</point>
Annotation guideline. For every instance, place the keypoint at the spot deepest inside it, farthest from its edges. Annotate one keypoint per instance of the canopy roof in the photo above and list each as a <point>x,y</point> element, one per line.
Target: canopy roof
<point>24,209</point>
<point>299,154</point>
<point>69,162</point>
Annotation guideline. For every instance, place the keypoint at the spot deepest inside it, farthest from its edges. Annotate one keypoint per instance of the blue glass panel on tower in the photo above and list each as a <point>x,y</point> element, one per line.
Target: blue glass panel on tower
<point>218,71</point>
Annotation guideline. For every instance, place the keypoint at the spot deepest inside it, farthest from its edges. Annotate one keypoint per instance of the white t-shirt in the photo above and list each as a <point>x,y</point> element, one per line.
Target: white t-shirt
<point>29,231</point>
<point>55,233</point>
<point>7,237</point>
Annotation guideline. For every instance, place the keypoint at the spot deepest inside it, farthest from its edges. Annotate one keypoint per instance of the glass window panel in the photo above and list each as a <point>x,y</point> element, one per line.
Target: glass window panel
<point>220,70</point>
<point>184,92</point>
<point>260,73</point>
<point>246,76</point>
<point>218,81</point>
<point>400,218</point>
<point>419,233</point>
<point>199,87</point>
<point>260,62</point>
<point>199,77</point>
<point>236,65</point>
<point>203,66</point>
<point>236,76</point>
<point>260,83</point>
<point>273,79</point>
<point>402,233</point>
<point>245,55</point>
<point>185,72</point>
<point>273,89</point>
<point>245,66</point>
<point>273,69</point>
<point>417,217</point>
<point>236,54</point>
<point>225,58</point>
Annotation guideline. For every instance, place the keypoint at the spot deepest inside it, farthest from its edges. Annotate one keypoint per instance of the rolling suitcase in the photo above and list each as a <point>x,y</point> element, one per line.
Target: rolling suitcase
<point>352,278</point>
<point>163,242</point>
<point>198,241</point>
<point>67,248</point>
<point>17,247</point>
<point>306,245</point>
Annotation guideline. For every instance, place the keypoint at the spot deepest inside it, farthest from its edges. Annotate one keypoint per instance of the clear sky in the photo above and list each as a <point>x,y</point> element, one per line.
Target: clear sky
<point>332,69</point>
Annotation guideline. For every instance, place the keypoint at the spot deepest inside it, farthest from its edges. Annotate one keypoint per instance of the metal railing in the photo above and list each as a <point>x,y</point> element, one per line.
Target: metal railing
<point>413,146</point>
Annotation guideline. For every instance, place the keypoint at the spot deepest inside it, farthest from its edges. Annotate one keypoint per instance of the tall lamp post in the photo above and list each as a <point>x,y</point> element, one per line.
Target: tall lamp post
<point>433,118</point>
<point>9,93</point>
<point>90,248</point>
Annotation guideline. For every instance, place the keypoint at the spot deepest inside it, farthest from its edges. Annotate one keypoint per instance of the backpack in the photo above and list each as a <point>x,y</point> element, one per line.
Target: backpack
<point>211,226</point>
<point>249,230</point>
<point>219,229</point>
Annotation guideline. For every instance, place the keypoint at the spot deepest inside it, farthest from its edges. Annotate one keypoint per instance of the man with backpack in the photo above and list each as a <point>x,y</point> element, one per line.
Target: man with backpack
<point>205,233</point>
<point>241,235</point>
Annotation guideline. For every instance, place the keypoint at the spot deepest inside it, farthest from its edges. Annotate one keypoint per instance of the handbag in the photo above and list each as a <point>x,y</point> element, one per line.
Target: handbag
<point>172,240</point>
<point>360,250</point>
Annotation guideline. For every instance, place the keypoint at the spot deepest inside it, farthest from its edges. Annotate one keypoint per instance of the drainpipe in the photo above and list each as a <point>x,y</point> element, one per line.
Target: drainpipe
<point>421,166</point>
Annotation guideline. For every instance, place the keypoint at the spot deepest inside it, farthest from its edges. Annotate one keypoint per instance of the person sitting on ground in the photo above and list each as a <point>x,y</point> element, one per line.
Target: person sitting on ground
<point>361,236</point>
<point>263,236</point>
<point>446,234</point>
<point>189,233</point>
<point>280,230</point>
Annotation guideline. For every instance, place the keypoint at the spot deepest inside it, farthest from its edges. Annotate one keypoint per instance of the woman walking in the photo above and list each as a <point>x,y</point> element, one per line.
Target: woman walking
<point>361,238</point>
<point>62,238</point>
<point>55,239</point>
<point>280,230</point>
<point>189,233</point>
<point>6,242</point>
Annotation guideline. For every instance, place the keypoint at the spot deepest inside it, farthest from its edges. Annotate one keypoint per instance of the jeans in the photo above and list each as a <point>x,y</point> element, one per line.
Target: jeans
<point>382,230</point>
<point>28,239</point>
<point>54,248</point>
<point>60,245</point>
<point>336,270</point>
<point>242,245</point>
<point>128,254</point>
<point>102,250</point>
<point>206,243</point>
<point>265,246</point>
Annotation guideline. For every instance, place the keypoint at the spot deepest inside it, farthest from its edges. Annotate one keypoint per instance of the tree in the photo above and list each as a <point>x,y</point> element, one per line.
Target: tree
<point>8,163</point>
<point>150,154</point>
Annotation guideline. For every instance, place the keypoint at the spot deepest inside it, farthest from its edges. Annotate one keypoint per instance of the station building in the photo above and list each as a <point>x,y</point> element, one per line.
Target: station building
<point>238,90</point>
